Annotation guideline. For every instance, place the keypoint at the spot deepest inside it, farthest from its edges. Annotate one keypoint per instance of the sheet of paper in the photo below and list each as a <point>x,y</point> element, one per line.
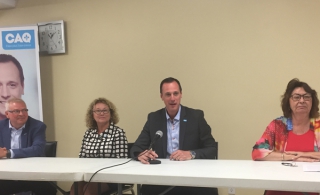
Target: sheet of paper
<point>311,167</point>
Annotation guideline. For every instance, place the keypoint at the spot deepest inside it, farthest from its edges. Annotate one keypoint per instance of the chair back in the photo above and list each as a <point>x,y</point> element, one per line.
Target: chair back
<point>51,149</point>
<point>216,151</point>
<point>129,148</point>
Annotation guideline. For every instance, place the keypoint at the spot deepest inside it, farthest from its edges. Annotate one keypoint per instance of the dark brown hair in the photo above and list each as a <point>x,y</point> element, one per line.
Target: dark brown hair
<point>170,80</point>
<point>285,102</point>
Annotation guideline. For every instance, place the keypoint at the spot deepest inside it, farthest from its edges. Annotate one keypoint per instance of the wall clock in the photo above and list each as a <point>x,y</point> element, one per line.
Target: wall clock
<point>51,37</point>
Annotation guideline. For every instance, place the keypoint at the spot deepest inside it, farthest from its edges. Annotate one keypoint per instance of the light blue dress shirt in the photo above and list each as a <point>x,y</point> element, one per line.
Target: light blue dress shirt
<point>15,138</point>
<point>173,133</point>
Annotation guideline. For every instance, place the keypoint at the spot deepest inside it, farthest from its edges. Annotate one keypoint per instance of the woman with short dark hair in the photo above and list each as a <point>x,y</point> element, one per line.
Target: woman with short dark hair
<point>295,136</point>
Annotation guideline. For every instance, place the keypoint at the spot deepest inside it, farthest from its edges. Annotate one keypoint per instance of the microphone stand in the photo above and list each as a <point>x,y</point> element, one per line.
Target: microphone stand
<point>153,162</point>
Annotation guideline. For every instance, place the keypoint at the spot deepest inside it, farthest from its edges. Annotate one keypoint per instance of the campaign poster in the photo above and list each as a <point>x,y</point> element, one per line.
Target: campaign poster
<point>22,81</point>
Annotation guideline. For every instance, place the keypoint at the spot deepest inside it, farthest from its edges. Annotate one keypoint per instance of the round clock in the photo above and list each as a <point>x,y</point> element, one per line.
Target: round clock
<point>51,37</point>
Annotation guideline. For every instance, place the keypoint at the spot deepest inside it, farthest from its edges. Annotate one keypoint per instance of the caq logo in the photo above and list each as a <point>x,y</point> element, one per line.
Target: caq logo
<point>19,39</point>
<point>25,38</point>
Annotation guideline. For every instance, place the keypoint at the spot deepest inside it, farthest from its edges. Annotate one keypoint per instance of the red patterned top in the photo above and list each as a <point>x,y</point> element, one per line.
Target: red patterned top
<point>278,137</point>
<point>275,137</point>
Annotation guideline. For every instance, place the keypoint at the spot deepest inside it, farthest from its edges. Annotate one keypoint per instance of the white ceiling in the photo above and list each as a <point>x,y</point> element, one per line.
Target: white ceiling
<point>7,4</point>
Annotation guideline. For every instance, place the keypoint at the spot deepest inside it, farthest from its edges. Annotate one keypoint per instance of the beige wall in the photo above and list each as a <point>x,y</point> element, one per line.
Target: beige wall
<point>233,59</point>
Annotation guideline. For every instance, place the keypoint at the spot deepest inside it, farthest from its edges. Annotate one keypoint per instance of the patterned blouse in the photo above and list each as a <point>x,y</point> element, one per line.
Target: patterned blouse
<point>112,143</point>
<point>275,137</point>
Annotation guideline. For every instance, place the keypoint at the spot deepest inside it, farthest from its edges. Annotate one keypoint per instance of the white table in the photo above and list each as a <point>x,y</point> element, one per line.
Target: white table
<point>51,169</point>
<point>202,173</point>
<point>270,175</point>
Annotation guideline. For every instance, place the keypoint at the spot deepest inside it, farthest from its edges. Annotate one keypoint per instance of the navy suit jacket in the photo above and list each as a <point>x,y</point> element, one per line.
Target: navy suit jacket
<point>195,134</point>
<point>33,139</point>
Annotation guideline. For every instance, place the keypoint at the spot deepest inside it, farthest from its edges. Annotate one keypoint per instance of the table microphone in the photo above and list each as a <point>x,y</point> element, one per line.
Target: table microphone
<point>158,135</point>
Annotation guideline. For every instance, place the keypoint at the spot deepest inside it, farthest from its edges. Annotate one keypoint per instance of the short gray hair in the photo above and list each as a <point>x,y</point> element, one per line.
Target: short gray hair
<point>13,100</point>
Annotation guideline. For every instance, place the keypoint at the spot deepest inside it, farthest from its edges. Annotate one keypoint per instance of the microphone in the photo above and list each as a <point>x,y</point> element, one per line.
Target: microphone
<point>158,135</point>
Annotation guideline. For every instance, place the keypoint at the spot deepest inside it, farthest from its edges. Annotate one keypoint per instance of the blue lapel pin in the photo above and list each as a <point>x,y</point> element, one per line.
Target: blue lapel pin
<point>184,120</point>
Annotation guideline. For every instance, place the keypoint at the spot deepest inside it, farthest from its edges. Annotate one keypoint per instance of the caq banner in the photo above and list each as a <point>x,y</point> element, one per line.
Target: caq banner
<point>20,68</point>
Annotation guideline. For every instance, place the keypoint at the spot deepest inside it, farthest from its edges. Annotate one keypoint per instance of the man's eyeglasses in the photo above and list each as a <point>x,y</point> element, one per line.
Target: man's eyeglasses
<point>101,111</point>
<point>23,111</point>
<point>297,97</point>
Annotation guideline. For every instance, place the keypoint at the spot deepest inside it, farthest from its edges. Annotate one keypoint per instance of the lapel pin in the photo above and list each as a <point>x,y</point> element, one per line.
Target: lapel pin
<point>184,120</point>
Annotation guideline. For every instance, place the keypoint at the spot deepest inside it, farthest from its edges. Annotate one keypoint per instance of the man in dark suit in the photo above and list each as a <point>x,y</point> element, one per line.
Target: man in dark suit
<point>186,136</point>
<point>22,136</point>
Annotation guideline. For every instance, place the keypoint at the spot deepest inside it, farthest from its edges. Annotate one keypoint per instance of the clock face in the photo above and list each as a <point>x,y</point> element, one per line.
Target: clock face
<point>51,37</point>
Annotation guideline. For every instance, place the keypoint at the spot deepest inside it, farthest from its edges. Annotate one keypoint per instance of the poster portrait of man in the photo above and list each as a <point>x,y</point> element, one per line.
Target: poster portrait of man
<point>20,69</point>
<point>11,81</point>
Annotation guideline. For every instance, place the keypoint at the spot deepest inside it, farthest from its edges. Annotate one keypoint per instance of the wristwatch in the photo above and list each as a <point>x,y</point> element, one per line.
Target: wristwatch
<point>193,154</point>
<point>8,154</point>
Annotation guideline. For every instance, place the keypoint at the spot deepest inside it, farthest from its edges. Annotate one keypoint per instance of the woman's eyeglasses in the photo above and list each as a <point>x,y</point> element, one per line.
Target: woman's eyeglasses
<point>101,111</point>
<point>293,164</point>
<point>297,97</point>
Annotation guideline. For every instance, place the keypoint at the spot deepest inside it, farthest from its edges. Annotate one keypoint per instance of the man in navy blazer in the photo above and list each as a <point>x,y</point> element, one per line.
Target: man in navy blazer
<point>186,136</point>
<point>22,136</point>
<point>32,141</point>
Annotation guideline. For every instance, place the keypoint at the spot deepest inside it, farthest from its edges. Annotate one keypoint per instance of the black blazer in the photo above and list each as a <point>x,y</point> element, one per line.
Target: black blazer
<point>195,134</point>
